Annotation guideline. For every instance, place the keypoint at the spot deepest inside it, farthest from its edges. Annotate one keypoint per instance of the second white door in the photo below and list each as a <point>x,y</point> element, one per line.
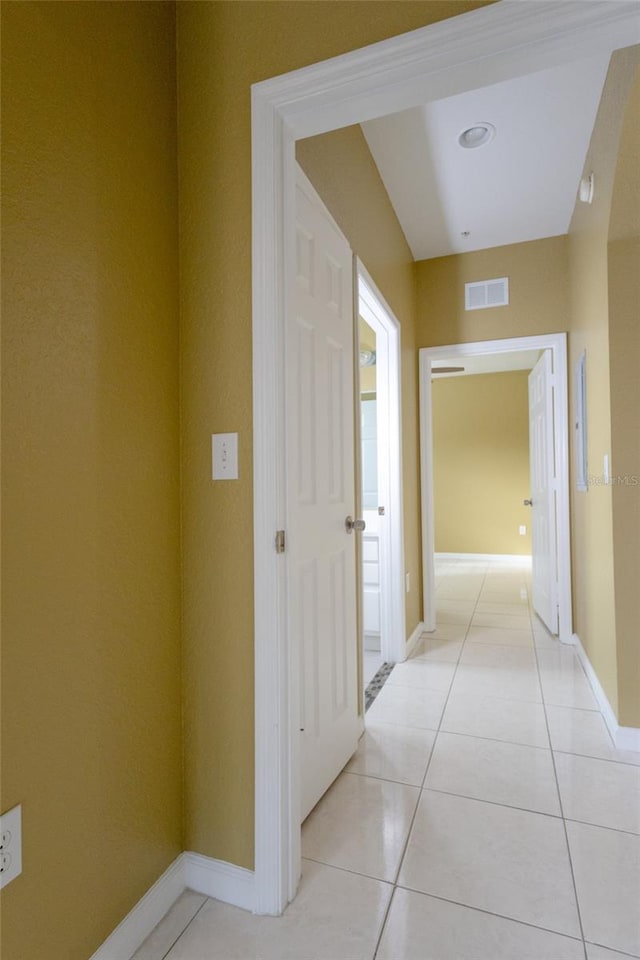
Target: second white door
<point>544,567</point>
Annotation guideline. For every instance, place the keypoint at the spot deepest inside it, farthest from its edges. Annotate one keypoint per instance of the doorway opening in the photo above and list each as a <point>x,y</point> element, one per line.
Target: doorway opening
<point>383,614</point>
<point>545,356</point>
<point>443,59</point>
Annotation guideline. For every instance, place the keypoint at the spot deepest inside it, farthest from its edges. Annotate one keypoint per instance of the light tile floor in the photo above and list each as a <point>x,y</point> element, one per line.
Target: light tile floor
<point>487,814</point>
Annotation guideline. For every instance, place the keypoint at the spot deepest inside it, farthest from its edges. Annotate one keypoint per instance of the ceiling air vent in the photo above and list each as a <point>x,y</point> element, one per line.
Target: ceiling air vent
<point>486,293</point>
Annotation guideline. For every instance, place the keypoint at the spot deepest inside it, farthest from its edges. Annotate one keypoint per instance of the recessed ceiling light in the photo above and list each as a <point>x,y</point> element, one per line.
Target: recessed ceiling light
<point>477,135</point>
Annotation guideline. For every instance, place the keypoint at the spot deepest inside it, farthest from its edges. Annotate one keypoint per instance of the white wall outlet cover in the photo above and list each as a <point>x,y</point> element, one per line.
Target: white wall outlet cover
<point>10,845</point>
<point>224,456</point>
<point>407,578</point>
<point>523,530</point>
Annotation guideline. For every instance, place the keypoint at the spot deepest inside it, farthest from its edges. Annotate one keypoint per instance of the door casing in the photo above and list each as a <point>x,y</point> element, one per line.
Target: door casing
<point>556,343</point>
<point>478,48</point>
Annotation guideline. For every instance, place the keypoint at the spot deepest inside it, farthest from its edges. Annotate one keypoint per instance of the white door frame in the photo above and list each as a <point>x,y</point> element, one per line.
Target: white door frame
<point>380,318</point>
<point>556,343</point>
<point>475,49</point>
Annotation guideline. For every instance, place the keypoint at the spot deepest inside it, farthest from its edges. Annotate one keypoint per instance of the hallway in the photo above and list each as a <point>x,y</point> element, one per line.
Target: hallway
<point>486,815</point>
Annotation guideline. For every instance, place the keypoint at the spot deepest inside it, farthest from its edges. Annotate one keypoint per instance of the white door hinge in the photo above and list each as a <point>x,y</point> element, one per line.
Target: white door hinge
<point>280,541</point>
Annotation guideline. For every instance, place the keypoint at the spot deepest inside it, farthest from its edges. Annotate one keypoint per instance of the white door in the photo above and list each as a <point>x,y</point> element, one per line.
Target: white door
<point>543,493</point>
<point>321,494</point>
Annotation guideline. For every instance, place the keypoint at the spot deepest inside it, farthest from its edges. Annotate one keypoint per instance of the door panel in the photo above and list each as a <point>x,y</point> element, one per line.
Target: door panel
<point>543,496</point>
<point>321,493</point>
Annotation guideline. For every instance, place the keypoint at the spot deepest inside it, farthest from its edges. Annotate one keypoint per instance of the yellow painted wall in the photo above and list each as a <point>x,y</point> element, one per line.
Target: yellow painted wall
<point>340,166</point>
<point>481,463</point>
<point>223,48</point>
<point>592,519</point>
<point>623,266</point>
<point>91,624</point>
<point>538,293</point>
<point>624,356</point>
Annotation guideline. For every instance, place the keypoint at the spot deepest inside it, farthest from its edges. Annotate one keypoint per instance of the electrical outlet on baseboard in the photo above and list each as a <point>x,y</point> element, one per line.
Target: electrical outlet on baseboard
<point>10,845</point>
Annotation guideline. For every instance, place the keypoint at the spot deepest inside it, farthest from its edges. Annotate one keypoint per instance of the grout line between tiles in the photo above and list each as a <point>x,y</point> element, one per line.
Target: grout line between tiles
<point>590,756</point>
<point>623,953</point>
<point>165,955</point>
<point>601,826</point>
<point>564,822</point>
<point>490,913</point>
<point>435,740</point>
<point>494,803</point>
<point>373,776</point>
<point>355,873</point>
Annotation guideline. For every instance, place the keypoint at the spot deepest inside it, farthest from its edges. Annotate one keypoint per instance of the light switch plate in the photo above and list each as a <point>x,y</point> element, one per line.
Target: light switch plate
<point>224,456</point>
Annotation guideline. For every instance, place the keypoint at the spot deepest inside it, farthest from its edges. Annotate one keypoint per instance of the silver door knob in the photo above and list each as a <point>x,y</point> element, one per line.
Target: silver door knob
<point>351,525</point>
<point>528,503</point>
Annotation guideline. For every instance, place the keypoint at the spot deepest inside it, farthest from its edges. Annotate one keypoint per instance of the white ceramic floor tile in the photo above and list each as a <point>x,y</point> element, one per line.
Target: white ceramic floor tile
<point>516,684</point>
<point>560,660</point>
<point>544,641</point>
<point>498,655</point>
<point>335,914</point>
<point>505,582</point>
<point>459,591</point>
<point>514,721</point>
<point>606,866</point>
<point>495,858</point>
<point>585,732</point>
<point>517,609</point>
<point>447,605</point>
<point>408,707</point>
<point>600,792</point>
<point>393,753</point>
<point>448,631</point>
<point>601,953</point>
<point>422,928</point>
<point>519,595</point>
<point>569,688</point>
<point>515,638</point>
<point>170,927</point>
<point>444,617</point>
<point>432,647</point>
<point>490,770</point>
<point>426,676</point>
<point>361,824</point>
<point>501,621</point>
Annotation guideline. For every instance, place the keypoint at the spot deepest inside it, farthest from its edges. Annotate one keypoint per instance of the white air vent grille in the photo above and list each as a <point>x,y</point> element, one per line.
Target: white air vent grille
<point>486,293</point>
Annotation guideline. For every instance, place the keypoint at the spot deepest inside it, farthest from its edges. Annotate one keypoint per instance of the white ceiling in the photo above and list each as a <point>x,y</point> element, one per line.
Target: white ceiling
<point>490,363</point>
<point>521,186</point>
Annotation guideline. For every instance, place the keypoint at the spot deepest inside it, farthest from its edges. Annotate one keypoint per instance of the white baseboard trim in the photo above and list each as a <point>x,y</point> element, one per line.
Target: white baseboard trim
<point>147,914</point>
<point>625,738</point>
<point>522,558</point>
<point>213,878</point>
<point>412,641</point>
<point>220,880</point>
